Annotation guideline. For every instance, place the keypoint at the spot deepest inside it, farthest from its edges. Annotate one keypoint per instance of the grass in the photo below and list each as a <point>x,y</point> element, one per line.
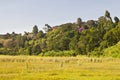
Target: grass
<point>58,68</point>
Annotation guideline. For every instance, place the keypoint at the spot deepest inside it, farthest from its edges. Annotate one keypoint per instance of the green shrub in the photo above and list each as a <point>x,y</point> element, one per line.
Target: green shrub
<point>6,51</point>
<point>58,53</point>
<point>113,51</point>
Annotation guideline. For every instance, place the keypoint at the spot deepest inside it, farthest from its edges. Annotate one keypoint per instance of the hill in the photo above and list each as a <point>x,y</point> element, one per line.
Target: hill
<point>69,39</point>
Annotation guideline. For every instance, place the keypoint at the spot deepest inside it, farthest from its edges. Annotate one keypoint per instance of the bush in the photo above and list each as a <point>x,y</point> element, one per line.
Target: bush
<point>113,51</point>
<point>6,51</point>
<point>96,53</point>
<point>58,53</point>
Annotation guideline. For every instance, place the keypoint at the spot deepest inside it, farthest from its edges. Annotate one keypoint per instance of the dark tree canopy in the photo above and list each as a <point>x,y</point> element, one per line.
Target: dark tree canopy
<point>79,22</point>
<point>107,14</point>
<point>35,30</point>
<point>116,19</point>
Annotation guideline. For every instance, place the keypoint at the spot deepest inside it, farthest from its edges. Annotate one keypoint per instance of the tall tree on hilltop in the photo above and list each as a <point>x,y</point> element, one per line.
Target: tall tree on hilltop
<point>47,28</point>
<point>116,19</point>
<point>79,22</point>
<point>107,14</point>
<point>35,30</point>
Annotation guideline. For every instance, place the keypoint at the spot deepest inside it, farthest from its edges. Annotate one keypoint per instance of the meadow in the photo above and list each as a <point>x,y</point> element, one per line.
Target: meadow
<point>58,68</point>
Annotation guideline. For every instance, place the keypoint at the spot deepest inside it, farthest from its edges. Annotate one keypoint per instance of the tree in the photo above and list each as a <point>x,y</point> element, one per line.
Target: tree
<point>91,23</point>
<point>104,25</point>
<point>79,22</point>
<point>47,28</point>
<point>18,41</point>
<point>107,14</point>
<point>23,40</point>
<point>40,34</point>
<point>13,35</point>
<point>116,19</point>
<point>73,44</point>
<point>35,30</point>
<point>29,50</point>
<point>110,38</point>
<point>64,43</point>
<point>1,45</point>
<point>36,49</point>
<point>9,43</point>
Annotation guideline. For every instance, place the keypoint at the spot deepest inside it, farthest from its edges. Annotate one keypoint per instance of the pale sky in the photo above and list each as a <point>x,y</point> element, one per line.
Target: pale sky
<point>22,15</point>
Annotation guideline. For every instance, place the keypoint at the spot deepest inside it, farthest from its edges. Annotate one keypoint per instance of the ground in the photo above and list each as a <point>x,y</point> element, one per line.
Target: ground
<point>58,68</point>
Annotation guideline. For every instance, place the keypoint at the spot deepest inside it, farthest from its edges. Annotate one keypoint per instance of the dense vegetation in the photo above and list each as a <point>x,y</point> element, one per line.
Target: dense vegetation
<point>89,38</point>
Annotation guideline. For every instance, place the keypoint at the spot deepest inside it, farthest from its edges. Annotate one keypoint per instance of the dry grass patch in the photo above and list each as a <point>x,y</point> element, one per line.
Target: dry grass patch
<point>58,68</point>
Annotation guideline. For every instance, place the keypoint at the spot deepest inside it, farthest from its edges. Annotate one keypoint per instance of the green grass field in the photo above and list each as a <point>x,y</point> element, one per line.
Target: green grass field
<point>58,68</point>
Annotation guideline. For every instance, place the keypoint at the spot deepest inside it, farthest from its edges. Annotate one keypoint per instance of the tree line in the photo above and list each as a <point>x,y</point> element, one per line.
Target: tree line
<point>69,39</point>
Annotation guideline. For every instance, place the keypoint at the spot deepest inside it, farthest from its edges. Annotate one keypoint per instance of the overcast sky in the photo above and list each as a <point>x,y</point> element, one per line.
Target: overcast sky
<point>22,15</point>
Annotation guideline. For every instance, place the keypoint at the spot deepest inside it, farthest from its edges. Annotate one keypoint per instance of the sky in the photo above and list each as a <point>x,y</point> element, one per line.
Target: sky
<point>21,15</point>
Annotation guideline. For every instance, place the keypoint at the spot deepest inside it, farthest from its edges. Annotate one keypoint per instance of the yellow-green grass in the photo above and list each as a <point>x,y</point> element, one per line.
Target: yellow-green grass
<point>58,68</point>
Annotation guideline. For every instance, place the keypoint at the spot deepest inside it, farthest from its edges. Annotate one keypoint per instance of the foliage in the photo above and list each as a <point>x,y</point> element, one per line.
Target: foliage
<point>116,19</point>
<point>36,49</point>
<point>35,30</point>
<point>113,51</point>
<point>79,22</point>
<point>70,39</point>
<point>58,53</point>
